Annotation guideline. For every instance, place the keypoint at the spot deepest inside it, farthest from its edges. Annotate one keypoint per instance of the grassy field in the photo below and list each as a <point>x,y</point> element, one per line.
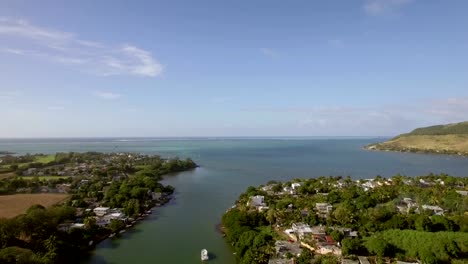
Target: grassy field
<point>45,159</point>
<point>13,205</point>
<point>44,177</point>
<point>427,143</point>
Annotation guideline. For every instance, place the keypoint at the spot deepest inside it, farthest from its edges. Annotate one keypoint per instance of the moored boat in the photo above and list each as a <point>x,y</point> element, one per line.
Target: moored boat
<point>204,255</point>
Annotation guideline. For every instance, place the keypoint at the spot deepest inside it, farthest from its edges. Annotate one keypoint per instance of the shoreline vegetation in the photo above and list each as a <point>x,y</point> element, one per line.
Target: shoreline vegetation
<point>105,193</point>
<point>339,220</point>
<point>451,139</point>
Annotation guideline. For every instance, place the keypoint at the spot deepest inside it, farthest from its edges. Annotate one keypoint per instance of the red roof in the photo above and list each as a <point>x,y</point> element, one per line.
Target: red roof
<point>330,240</point>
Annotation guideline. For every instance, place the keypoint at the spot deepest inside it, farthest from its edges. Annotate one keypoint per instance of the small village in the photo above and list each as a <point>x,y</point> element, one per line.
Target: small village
<point>98,195</point>
<point>310,214</point>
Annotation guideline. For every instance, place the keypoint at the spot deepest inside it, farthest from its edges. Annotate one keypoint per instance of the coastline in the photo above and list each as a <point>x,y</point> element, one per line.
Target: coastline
<point>376,147</point>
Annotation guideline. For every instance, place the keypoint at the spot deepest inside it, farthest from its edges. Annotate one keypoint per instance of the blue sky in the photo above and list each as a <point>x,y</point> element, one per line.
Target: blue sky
<point>231,68</point>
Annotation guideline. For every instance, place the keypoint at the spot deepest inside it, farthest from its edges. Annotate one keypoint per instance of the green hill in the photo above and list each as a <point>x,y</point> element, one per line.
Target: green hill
<point>440,139</point>
<point>450,129</point>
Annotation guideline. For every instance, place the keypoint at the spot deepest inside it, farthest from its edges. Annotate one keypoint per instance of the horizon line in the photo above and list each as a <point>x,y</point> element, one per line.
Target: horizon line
<point>189,137</point>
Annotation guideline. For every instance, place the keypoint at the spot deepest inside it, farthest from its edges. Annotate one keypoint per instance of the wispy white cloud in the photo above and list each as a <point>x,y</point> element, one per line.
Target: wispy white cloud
<point>384,7</point>
<point>269,52</point>
<point>23,38</point>
<point>107,95</point>
<point>371,120</point>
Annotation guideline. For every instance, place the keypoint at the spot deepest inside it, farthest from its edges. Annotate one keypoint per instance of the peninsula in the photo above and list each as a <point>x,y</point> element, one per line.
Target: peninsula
<point>340,220</point>
<point>441,139</point>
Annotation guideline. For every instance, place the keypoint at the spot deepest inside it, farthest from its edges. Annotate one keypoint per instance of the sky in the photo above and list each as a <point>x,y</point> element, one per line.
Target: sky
<point>176,68</point>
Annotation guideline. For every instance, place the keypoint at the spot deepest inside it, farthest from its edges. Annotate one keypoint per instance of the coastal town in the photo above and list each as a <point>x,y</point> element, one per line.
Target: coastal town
<point>340,220</point>
<point>96,196</point>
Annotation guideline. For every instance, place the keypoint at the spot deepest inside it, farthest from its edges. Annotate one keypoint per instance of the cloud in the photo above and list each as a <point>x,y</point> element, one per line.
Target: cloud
<point>107,95</point>
<point>269,52</point>
<point>384,7</point>
<point>19,37</point>
<point>370,120</point>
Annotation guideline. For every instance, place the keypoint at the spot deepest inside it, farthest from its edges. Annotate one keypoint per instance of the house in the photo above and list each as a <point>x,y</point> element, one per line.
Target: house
<point>318,231</point>
<point>406,204</point>
<point>369,184</point>
<point>283,247</point>
<point>258,202</point>
<point>288,190</point>
<point>101,221</point>
<point>329,249</point>
<point>301,229</point>
<point>435,209</point>
<point>323,208</point>
<point>347,232</point>
<point>295,185</point>
<point>101,211</point>
<point>464,193</point>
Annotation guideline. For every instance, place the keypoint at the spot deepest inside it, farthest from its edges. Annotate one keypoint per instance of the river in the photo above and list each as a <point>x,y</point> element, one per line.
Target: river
<point>178,231</point>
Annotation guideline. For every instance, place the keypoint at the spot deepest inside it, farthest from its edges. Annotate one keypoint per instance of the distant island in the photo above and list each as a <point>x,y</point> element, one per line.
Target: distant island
<point>339,220</point>
<point>6,153</point>
<point>441,139</point>
<point>54,208</point>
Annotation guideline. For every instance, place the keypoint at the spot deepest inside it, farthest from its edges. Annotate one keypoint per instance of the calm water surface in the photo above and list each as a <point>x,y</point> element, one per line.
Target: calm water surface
<point>176,233</point>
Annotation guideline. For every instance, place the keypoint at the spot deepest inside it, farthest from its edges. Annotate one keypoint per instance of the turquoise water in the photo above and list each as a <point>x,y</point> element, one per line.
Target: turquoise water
<point>176,233</point>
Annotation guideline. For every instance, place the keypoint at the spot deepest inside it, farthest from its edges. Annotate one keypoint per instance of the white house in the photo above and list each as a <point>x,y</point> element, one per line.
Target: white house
<point>301,229</point>
<point>101,211</point>
<point>323,208</point>
<point>435,209</point>
<point>257,200</point>
<point>295,185</point>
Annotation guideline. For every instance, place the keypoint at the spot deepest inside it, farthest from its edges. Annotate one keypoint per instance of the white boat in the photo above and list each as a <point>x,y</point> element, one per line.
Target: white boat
<point>204,255</point>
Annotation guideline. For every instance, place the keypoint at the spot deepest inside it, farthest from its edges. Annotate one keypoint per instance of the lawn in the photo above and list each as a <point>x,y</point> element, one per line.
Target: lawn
<point>44,177</point>
<point>45,159</point>
<point>13,205</point>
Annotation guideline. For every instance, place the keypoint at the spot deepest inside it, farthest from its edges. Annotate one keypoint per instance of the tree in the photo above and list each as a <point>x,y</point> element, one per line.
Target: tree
<point>132,207</point>
<point>377,245</point>
<point>351,246</point>
<point>116,225</point>
<point>337,235</point>
<point>306,257</point>
<point>271,216</point>
<point>90,222</point>
<point>423,223</point>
